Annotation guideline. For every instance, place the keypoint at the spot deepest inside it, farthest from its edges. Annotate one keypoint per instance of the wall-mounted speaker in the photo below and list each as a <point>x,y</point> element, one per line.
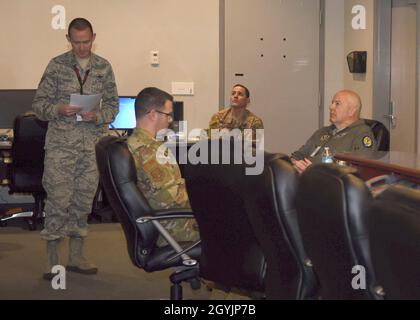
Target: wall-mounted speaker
<point>357,61</point>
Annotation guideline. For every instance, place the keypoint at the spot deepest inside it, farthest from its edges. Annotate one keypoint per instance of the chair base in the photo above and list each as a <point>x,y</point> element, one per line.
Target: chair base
<point>30,217</point>
<point>190,275</point>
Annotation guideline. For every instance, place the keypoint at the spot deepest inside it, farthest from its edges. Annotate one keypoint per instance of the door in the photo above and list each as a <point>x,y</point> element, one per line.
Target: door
<point>272,47</point>
<point>402,115</point>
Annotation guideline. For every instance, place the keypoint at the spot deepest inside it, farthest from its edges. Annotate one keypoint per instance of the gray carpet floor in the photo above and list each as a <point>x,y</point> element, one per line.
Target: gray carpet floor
<point>22,262</point>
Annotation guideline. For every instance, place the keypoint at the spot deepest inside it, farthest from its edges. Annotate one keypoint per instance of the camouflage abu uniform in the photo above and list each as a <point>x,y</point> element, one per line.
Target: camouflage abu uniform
<point>224,120</point>
<point>356,137</point>
<point>161,184</point>
<point>70,174</point>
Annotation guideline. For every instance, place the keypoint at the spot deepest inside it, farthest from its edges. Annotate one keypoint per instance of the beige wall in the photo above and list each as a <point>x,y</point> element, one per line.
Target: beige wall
<point>360,40</point>
<point>186,33</point>
<point>341,39</point>
<point>334,52</point>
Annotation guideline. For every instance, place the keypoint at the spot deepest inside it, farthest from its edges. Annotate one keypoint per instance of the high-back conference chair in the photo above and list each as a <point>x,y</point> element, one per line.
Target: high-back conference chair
<point>27,165</point>
<point>381,134</point>
<point>231,254</point>
<point>333,208</point>
<point>118,177</point>
<point>274,219</point>
<point>249,239</point>
<point>394,229</point>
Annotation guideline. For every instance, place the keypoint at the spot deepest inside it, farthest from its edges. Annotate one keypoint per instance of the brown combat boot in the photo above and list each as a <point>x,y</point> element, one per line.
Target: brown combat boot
<point>77,262</point>
<point>53,258</point>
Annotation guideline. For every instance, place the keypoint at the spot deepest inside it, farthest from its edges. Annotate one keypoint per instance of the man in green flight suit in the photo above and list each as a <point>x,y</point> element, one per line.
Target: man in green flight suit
<point>160,182</point>
<point>347,133</point>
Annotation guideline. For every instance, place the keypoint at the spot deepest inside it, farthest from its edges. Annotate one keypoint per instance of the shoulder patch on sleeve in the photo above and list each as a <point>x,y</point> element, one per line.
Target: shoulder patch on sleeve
<point>367,142</point>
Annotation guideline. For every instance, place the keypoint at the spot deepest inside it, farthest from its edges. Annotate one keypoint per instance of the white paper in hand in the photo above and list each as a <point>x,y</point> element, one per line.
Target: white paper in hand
<point>88,103</point>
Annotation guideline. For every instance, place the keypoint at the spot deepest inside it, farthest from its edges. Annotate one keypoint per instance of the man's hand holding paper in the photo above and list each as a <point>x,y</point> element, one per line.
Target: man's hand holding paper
<point>68,110</point>
<point>89,105</point>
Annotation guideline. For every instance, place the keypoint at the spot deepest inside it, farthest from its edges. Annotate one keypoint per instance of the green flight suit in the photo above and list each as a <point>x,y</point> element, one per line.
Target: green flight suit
<point>356,137</point>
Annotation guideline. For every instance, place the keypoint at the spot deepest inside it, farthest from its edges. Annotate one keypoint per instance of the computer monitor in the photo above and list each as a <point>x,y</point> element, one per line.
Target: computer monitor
<point>13,103</point>
<point>126,117</point>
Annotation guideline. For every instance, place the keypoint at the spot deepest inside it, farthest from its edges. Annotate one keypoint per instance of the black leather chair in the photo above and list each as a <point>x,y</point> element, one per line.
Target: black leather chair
<point>231,255</point>
<point>394,228</point>
<point>118,177</point>
<point>274,219</point>
<point>27,164</point>
<point>381,134</point>
<point>333,208</point>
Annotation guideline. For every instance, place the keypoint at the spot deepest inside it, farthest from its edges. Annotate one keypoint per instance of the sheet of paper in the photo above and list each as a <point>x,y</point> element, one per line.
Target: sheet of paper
<point>86,102</point>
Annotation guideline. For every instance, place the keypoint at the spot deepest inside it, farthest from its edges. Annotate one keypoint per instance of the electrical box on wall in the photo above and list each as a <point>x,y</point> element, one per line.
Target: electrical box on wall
<point>183,88</point>
<point>154,57</point>
<point>357,61</point>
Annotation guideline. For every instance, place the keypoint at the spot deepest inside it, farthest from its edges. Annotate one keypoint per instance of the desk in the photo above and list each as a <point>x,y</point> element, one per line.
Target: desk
<point>404,164</point>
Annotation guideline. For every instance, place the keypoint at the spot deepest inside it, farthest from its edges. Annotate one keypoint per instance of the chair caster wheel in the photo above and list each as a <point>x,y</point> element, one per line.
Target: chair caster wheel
<point>195,284</point>
<point>31,224</point>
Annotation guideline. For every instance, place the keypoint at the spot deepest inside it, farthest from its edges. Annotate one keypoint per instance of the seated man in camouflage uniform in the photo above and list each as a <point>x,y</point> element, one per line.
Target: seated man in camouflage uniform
<point>347,132</point>
<point>237,116</point>
<point>161,184</point>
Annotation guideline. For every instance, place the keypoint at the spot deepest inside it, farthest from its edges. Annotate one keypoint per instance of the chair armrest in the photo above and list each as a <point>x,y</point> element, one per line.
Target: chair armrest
<point>167,214</point>
<point>176,211</point>
<point>171,214</point>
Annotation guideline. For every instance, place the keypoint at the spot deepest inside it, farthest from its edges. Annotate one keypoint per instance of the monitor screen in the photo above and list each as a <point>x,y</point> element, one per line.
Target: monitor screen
<point>126,117</point>
<point>13,103</point>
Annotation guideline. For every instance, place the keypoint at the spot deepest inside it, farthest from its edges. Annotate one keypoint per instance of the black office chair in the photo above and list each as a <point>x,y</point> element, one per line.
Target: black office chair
<point>118,177</point>
<point>289,270</point>
<point>231,255</point>
<point>333,207</point>
<point>27,165</point>
<point>394,228</point>
<point>381,134</point>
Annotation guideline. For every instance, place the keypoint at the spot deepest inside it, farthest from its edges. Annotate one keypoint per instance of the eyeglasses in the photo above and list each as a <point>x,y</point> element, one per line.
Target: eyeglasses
<point>168,114</point>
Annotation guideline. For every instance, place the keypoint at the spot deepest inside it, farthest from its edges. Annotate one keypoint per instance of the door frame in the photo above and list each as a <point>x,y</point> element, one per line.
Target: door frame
<point>382,65</point>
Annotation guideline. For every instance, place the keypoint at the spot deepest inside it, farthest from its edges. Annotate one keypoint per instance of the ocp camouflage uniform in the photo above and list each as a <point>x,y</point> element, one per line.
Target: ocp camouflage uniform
<point>356,137</point>
<point>224,119</point>
<point>70,173</point>
<point>162,185</point>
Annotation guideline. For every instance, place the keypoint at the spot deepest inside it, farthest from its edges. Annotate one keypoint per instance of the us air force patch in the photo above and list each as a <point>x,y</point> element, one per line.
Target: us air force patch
<point>325,137</point>
<point>367,142</point>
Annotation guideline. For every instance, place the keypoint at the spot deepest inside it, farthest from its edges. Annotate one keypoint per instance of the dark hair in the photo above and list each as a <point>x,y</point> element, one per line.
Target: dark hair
<point>151,98</point>
<point>80,24</point>
<point>242,86</point>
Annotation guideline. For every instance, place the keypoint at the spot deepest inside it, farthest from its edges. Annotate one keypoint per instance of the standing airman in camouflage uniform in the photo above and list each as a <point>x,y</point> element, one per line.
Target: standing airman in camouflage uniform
<point>237,116</point>
<point>347,132</point>
<point>161,184</point>
<point>70,173</point>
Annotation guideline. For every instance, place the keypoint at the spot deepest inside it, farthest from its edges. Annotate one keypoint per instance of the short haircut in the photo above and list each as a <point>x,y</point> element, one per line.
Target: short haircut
<point>242,86</point>
<point>80,24</point>
<point>151,98</point>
